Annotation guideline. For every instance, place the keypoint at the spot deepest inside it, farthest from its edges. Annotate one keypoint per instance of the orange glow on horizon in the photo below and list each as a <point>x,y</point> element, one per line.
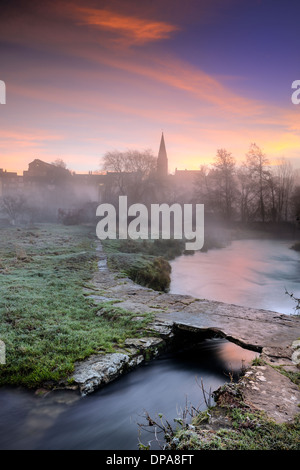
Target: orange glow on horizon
<point>109,87</point>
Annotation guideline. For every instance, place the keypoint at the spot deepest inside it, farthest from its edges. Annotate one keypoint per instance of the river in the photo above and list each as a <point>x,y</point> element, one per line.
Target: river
<point>254,273</point>
<point>110,417</point>
<point>251,273</point>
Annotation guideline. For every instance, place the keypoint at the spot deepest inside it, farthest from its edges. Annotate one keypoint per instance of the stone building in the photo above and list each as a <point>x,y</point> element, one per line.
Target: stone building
<point>10,183</point>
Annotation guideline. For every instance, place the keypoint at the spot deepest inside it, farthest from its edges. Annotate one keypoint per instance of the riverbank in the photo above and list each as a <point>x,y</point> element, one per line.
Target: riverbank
<point>48,323</point>
<point>72,322</point>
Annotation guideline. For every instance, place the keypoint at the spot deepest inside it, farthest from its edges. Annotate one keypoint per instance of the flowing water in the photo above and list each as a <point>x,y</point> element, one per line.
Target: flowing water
<point>251,273</point>
<point>110,417</point>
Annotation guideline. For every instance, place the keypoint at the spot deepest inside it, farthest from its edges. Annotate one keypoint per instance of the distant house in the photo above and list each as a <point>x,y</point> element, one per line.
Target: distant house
<point>10,183</point>
<point>185,179</point>
<point>43,172</point>
<point>93,185</point>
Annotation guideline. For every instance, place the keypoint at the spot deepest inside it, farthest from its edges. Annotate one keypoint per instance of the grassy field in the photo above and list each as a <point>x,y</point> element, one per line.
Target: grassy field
<point>47,322</point>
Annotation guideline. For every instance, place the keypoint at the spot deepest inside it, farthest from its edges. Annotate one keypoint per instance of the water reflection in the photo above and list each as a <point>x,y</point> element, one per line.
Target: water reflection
<point>251,273</point>
<point>108,418</point>
<point>235,357</point>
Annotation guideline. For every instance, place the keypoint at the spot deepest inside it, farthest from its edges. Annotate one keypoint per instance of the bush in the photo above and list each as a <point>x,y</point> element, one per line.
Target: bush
<point>148,271</point>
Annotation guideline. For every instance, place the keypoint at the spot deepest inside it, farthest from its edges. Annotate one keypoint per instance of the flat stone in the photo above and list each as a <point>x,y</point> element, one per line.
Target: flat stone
<point>249,327</point>
<point>98,370</point>
<point>262,378</point>
<point>143,343</point>
<point>282,395</point>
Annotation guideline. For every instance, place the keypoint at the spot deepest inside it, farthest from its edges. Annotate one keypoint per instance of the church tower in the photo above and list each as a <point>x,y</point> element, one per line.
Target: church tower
<point>162,159</point>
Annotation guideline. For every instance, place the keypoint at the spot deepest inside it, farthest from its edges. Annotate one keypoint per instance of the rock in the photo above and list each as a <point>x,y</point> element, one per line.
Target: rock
<point>143,343</point>
<point>272,392</point>
<point>296,353</point>
<point>296,357</point>
<point>165,329</point>
<point>99,370</point>
<point>135,361</point>
<point>296,344</point>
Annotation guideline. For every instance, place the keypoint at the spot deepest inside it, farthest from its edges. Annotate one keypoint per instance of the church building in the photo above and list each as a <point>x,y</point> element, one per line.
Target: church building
<point>162,159</point>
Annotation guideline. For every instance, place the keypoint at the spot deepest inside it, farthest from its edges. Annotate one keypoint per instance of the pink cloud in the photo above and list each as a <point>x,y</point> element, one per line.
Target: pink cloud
<point>135,30</point>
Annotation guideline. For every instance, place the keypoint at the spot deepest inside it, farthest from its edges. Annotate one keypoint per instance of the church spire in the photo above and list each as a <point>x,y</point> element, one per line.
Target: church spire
<point>162,159</point>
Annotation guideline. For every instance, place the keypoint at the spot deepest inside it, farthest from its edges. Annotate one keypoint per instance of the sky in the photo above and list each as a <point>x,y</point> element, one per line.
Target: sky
<point>87,77</point>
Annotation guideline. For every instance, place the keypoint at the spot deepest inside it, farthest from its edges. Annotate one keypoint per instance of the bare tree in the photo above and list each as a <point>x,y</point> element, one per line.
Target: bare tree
<point>295,205</point>
<point>203,187</point>
<point>253,191</point>
<point>216,186</point>
<point>131,171</point>
<point>59,163</point>
<point>246,194</point>
<point>283,176</point>
<point>257,164</point>
<point>13,206</point>
<point>226,187</point>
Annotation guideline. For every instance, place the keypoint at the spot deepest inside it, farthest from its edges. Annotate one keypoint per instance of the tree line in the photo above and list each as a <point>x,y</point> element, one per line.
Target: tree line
<point>249,192</point>
<point>252,191</point>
